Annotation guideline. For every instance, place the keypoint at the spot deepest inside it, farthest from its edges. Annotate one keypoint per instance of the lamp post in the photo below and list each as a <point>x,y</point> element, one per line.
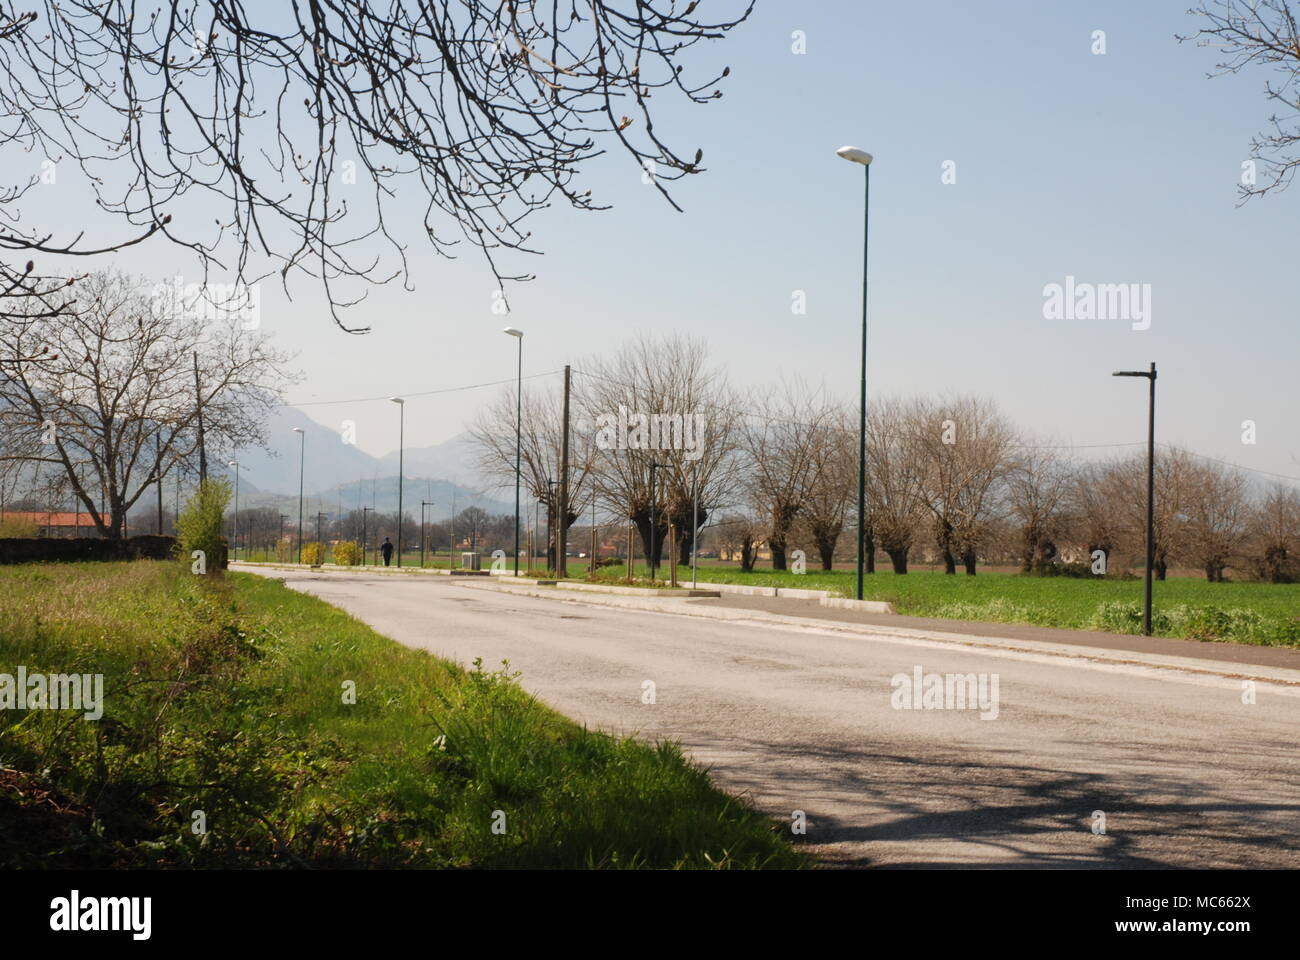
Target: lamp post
<point>695,525</point>
<point>401,429</point>
<point>302,450</point>
<point>854,155</point>
<point>365,542</point>
<point>235,464</point>
<point>653,529</point>
<point>519,421</point>
<point>1151,485</point>
<point>423,504</point>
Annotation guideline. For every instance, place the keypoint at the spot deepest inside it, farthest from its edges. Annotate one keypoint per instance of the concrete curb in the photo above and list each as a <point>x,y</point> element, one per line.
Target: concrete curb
<point>746,590</point>
<point>866,606</point>
<point>335,568</point>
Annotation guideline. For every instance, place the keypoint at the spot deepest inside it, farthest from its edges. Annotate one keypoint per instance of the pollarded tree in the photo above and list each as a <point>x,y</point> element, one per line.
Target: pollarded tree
<point>781,437</point>
<point>278,138</point>
<point>658,402</point>
<point>1275,534</point>
<point>834,478</point>
<point>895,473</point>
<point>964,446</point>
<point>1038,486</point>
<point>1216,507</point>
<point>1122,488</point>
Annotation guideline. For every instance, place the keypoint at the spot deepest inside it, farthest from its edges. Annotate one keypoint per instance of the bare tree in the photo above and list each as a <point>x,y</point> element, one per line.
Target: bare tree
<point>964,446</point>
<point>1038,485</point>
<point>1275,534</point>
<point>1263,32</point>
<point>1217,512</point>
<point>541,442</point>
<point>896,476</point>
<point>657,402</point>
<point>834,472</point>
<point>1091,524</point>
<point>785,427</point>
<point>740,533</point>
<point>120,407</point>
<point>297,123</point>
<point>1123,491</point>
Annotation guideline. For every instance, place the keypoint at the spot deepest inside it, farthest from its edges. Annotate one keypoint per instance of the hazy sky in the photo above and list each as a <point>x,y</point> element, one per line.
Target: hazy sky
<point>1114,168</point>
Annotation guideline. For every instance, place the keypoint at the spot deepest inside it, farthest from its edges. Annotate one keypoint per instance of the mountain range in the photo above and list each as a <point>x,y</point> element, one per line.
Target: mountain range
<point>342,475</point>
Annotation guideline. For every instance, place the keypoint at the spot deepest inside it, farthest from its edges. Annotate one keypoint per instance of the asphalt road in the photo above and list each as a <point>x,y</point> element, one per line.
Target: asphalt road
<point>1183,773</point>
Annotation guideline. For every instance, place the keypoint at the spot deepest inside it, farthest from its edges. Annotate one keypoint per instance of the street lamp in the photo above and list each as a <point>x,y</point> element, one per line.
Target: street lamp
<point>365,543</point>
<point>519,420</point>
<point>854,155</point>
<point>695,525</point>
<point>401,428</point>
<point>302,449</point>
<point>1151,485</point>
<point>235,464</point>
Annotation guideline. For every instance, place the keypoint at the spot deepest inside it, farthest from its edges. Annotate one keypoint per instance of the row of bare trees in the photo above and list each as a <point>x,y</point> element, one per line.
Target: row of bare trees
<point>109,398</point>
<point>949,480</point>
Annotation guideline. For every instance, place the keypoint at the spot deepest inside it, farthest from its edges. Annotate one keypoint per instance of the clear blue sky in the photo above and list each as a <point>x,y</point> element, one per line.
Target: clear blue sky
<point>1114,168</point>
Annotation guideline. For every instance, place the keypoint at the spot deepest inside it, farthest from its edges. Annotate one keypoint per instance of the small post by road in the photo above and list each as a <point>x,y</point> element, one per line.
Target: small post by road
<point>672,554</point>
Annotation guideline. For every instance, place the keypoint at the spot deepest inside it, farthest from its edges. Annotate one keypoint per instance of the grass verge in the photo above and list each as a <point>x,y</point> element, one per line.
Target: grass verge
<point>1257,613</point>
<point>227,741</point>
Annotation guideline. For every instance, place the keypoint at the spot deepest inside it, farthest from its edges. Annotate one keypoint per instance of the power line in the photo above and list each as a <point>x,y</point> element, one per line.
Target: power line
<point>1022,446</point>
<point>422,393</point>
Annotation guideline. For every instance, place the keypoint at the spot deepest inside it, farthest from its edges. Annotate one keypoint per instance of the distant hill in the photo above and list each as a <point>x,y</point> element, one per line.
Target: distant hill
<point>340,474</point>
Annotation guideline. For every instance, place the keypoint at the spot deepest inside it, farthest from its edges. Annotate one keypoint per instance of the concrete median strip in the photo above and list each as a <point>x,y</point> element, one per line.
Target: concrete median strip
<point>866,606</point>
<point>1287,679</point>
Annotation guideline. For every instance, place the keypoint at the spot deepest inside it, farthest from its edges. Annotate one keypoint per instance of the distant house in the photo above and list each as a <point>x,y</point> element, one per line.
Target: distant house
<point>58,524</point>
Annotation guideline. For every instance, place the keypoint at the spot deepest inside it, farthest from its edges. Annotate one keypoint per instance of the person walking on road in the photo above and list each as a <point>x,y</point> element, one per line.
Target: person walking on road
<point>387,550</point>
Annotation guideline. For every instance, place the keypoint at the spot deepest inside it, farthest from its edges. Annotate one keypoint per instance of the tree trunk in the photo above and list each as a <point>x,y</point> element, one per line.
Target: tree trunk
<point>1030,560</point>
<point>968,560</point>
<point>945,545</point>
<point>777,546</point>
<point>826,549</point>
<point>898,557</point>
<point>869,550</point>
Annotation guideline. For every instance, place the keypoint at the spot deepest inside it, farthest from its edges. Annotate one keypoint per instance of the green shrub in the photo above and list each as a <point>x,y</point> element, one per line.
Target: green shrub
<point>200,521</point>
<point>347,553</point>
<point>313,553</point>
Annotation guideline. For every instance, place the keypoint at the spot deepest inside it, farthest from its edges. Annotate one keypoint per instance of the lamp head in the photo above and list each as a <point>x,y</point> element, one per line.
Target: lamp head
<point>855,155</point>
<point>513,331</point>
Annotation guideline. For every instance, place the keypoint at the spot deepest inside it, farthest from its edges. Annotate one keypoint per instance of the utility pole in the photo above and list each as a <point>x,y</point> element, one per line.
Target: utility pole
<point>423,534</point>
<point>157,442</point>
<point>562,531</point>
<point>198,402</point>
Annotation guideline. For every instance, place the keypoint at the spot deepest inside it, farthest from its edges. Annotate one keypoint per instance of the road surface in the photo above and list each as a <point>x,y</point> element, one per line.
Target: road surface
<point>1085,763</point>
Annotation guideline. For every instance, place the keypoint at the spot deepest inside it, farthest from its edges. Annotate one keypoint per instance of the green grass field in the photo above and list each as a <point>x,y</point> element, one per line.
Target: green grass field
<point>224,707</point>
<point>1259,613</point>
